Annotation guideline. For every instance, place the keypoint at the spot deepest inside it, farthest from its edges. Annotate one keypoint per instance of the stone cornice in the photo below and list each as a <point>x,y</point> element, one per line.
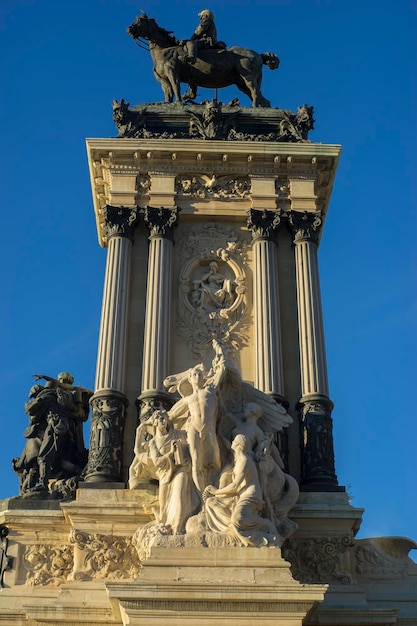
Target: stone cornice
<point>111,158</point>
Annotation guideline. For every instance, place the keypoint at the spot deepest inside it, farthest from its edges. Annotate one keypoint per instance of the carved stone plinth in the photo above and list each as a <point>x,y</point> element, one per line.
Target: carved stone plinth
<point>203,586</point>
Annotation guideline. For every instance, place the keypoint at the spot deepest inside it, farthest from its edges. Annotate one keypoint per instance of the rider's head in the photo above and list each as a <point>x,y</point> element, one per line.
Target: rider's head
<point>205,14</point>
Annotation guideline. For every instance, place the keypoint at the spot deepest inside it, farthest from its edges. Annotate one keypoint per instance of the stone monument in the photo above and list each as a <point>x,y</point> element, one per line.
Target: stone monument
<point>208,493</point>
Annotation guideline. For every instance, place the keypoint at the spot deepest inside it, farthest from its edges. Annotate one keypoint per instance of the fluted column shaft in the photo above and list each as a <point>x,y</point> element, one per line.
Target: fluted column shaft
<point>158,303</point>
<point>318,472</point>
<point>109,402</point>
<point>268,352</point>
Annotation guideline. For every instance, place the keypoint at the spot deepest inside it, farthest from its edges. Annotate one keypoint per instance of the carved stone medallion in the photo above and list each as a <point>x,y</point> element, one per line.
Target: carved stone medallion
<point>212,288</point>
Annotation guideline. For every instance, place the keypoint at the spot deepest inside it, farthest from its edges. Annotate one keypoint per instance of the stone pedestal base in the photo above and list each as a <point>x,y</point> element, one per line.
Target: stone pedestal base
<point>202,586</point>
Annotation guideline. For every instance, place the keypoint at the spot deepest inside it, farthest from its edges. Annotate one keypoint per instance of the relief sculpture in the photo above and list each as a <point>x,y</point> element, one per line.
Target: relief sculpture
<point>212,290</point>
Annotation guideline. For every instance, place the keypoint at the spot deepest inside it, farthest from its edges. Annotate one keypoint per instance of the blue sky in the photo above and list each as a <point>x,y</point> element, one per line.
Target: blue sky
<point>64,63</point>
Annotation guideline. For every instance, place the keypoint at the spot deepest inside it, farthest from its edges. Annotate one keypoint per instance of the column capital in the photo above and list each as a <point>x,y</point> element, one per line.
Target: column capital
<point>263,224</point>
<point>305,226</point>
<point>161,221</point>
<point>120,221</point>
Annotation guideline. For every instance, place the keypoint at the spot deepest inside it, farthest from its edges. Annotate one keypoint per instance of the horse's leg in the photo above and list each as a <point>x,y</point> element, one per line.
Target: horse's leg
<point>167,89</point>
<point>172,73</point>
<point>254,92</point>
<point>242,86</point>
<point>262,101</point>
<point>166,86</point>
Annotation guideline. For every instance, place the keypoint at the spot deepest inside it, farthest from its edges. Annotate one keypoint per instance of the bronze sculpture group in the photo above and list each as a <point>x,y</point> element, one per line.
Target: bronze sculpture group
<point>54,446</point>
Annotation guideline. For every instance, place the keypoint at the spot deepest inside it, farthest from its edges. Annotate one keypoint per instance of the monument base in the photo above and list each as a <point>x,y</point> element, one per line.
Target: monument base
<point>202,586</point>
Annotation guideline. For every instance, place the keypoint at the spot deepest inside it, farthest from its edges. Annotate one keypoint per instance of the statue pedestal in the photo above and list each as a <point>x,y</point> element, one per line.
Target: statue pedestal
<point>205,586</point>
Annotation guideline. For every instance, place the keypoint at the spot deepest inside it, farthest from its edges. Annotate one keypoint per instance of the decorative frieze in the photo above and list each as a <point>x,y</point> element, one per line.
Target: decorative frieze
<point>220,606</point>
<point>47,565</point>
<point>319,559</point>
<point>214,186</point>
<point>103,557</point>
<point>213,121</point>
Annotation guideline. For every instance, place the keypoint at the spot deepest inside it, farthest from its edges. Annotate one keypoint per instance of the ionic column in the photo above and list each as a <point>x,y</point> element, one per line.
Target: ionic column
<point>109,402</point>
<point>268,353</point>
<point>158,304</point>
<point>318,472</point>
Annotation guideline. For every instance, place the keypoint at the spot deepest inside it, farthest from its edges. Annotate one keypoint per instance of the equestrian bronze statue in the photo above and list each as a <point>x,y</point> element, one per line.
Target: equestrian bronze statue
<point>211,64</point>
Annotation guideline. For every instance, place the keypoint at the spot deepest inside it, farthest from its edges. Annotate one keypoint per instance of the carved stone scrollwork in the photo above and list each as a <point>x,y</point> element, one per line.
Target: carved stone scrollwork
<point>48,565</point>
<point>103,557</point>
<point>212,298</point>
<point>161,221</point>
<point>318,560</point>
<point>304,226</point>
<point>263,224</point>
<point>384,559</point>
<point>221,187</point>
<point>105,456</point>
<point>211,123</point>
<point>317,443</point>
<point>119,220</point>
<point>143,184</point>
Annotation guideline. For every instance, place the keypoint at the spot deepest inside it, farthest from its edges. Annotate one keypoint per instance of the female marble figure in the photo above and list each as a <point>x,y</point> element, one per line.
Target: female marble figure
<point>215,289</point>
<point>168,451</point>
<point>237,507</point>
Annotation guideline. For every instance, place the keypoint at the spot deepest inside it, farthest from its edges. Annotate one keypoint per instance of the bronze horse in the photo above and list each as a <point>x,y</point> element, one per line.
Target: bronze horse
<point>213,68</point>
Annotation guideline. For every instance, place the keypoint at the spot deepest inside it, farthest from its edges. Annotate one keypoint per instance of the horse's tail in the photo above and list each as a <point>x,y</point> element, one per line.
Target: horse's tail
<point>270,60</point>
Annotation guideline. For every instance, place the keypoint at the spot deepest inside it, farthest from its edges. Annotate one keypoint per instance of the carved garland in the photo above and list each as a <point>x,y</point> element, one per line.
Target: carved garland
<point>102,557</point>
<point>47,565</point>
<point>219,187</point>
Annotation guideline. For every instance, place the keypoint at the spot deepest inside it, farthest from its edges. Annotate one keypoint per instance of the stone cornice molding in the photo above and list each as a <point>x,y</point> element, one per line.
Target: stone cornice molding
<point>305,226</point>
<point>119,221</point>
<point>112,161</point>
<point>263,224</point>
<point>161,221</point>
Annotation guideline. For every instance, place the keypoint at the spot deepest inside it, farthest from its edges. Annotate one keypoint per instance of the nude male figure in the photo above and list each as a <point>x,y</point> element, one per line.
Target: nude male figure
<point>203,404</point>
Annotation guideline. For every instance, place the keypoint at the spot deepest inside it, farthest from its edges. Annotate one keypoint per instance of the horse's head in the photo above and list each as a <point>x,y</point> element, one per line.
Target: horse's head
<point>145,27</point>
<point>141,27</point>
